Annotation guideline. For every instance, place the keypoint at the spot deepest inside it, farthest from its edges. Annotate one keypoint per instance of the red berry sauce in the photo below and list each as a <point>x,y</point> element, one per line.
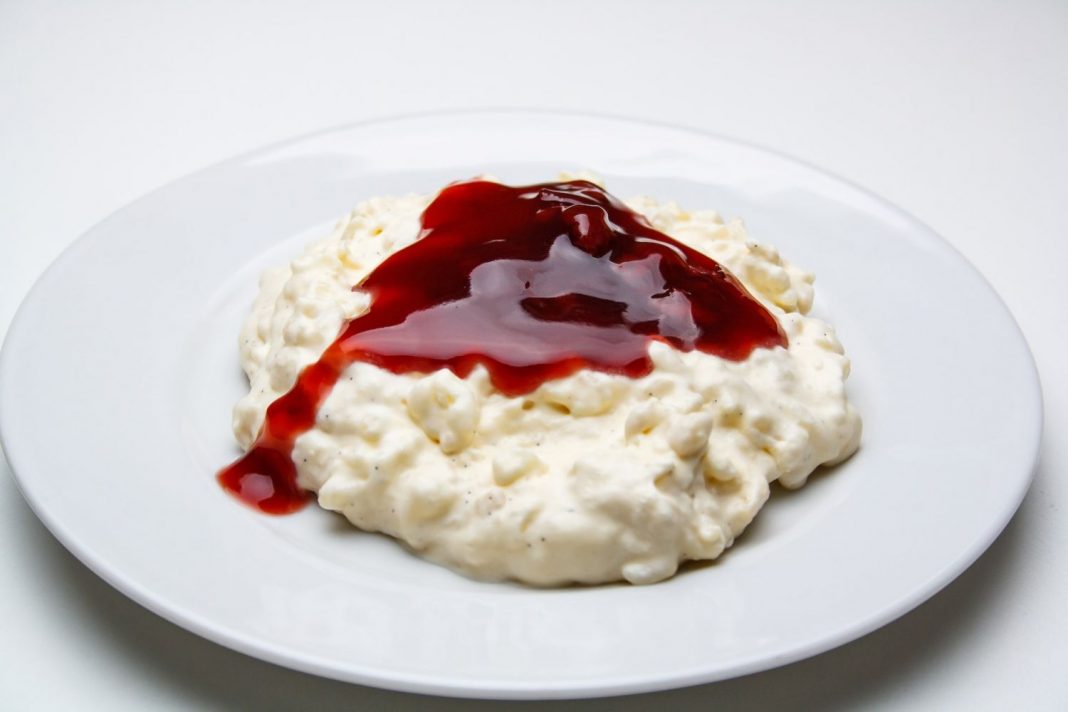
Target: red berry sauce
<point>533,283</point>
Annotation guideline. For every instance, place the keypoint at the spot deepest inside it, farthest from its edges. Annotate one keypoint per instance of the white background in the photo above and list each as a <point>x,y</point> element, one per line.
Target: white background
<point>958,112</point>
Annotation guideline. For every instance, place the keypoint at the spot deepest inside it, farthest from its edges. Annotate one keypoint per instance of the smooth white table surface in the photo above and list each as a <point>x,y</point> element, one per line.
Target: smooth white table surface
<point>958,113</point>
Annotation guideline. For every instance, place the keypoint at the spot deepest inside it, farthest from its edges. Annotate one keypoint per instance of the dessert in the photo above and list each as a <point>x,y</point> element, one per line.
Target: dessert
<point>538,382</point>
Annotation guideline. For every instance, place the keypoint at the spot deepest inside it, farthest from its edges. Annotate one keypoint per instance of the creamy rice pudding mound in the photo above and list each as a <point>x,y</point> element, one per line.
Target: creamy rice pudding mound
<point>595,475</point>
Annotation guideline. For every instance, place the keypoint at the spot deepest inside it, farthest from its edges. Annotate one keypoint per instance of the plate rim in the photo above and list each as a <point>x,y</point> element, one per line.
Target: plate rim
<point>515,689</point>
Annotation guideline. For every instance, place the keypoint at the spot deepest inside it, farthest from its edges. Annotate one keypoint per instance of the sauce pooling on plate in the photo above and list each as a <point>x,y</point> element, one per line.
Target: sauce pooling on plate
<point>532,282</point>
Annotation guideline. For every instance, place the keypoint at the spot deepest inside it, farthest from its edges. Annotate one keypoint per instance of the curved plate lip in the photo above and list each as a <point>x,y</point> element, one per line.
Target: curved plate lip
<point>504,689</point>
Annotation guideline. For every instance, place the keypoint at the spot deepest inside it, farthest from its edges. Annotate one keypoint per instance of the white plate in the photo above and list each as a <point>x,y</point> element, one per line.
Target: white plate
<point>120,369</point>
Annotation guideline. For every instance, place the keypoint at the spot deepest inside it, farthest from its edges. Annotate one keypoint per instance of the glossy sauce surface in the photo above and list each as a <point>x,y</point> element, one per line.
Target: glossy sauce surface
<point>532,282</point>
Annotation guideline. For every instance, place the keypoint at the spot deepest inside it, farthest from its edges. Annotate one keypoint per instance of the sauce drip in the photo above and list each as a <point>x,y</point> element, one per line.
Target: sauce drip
<point>532,282</point>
